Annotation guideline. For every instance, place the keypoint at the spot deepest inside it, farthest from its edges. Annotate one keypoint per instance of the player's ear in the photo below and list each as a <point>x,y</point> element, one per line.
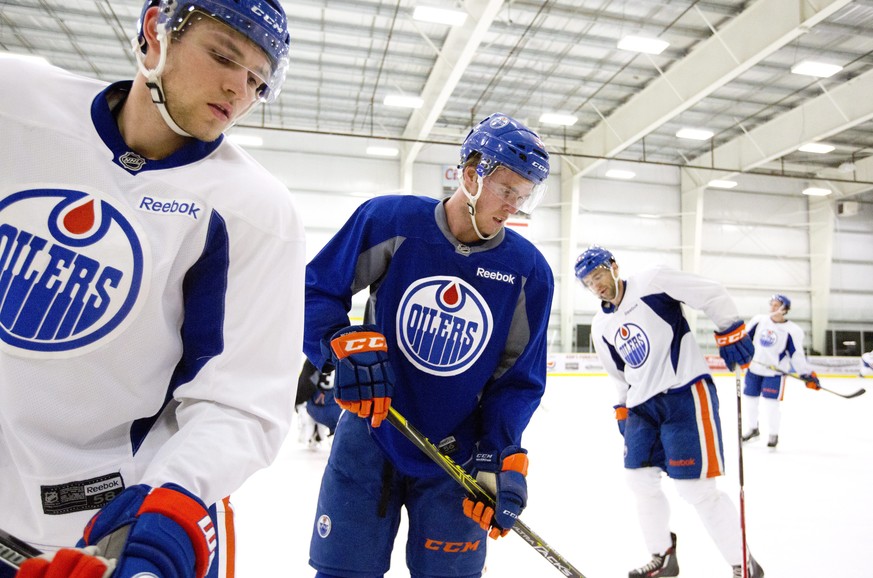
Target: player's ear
<point>468,173</point>
<point>150,32</point>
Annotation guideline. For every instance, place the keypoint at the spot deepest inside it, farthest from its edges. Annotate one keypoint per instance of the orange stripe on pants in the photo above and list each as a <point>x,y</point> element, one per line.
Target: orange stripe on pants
<point>713,468</point>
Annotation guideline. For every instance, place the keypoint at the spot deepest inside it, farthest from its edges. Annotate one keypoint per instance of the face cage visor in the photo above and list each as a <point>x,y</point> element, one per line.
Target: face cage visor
<point>271,76</point>
<point>521,196</point>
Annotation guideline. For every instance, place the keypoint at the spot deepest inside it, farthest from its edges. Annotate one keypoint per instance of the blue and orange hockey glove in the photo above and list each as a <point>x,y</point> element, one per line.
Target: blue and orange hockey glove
<point>620,417</point>
<point>144,531</point>
<point>505,479</point>
<point>735,346</point>
<point>811,380</point>
<point>364,381</point>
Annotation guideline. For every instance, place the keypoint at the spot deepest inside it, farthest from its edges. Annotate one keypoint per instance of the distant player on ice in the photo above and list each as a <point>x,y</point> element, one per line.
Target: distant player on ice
<point>455,340</point>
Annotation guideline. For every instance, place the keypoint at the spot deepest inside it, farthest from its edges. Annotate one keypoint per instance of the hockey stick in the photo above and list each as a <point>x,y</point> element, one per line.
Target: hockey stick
<point>473,488</point>
<point>861,391</point>
<point>738,373</point>
<point>13,552</point>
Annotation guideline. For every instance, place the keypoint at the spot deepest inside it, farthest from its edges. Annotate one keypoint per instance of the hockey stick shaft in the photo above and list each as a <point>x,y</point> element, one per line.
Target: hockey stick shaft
<point>738,373</point>
<point>860,391</point>
<point>13,552</point>
<point>476,491</point>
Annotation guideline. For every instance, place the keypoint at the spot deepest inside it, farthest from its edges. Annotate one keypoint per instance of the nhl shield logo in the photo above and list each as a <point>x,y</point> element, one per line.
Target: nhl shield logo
<point>69,277</point>
<point>443,325</point>
<point>632,344</point>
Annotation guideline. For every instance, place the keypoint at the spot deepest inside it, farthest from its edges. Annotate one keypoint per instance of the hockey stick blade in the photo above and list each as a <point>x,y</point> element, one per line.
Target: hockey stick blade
<point>473,488</point>
<point>13,552</point>
<point>860,391</point>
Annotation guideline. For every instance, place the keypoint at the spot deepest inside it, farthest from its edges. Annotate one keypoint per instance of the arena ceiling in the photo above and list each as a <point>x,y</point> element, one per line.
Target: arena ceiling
<point>727,69</point>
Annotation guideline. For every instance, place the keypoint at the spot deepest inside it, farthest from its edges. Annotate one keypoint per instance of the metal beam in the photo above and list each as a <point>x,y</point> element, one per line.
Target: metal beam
<point>762,29</point>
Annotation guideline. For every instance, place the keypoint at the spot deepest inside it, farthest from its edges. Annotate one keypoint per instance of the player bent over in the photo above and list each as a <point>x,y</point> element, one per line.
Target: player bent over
<point>455,339</point>
<point>667,403</point>
<point>135,389</point>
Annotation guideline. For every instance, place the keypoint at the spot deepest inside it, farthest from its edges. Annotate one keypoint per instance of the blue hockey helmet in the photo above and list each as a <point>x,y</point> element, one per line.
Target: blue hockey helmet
<point>592,258</point>
<point>785,301</point>
<point>503,141</point>
<point>261,21</point>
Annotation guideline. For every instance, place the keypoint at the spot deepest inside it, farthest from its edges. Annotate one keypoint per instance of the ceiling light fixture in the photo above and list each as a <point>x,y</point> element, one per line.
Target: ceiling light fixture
<point>558,119</point>
<point>694,133</point>
<point>402,101</point>
<point>721,184</point>
<point>644,45</point>
<point>439,15</point>
<point>816,191</point>
<point>817,147</point>
<point>817,69</point>
<point>620,174</point>
<point>377,151</point>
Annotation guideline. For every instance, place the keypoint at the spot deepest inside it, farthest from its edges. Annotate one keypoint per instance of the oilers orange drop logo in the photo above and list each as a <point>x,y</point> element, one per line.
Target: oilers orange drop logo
<point>66,280</point>
<point>443,325</point>
<point>632,344</point>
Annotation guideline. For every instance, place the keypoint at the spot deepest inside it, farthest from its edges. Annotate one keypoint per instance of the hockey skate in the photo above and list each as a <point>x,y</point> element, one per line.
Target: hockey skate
<point>755,570</point>
<point>773,441</point>
<point>661,565</point>
<point>752,434</point>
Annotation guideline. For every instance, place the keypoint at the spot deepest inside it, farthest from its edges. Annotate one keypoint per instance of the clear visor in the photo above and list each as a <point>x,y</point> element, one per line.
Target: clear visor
<point>513,189</point>
<point>231,50</point>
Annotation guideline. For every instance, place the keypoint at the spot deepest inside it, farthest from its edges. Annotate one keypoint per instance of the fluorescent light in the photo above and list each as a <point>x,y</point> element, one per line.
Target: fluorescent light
<point>246,140</point>
<point>817,69</point>
<point>817,147</point>
<point>439,15</point>
<point>816,192</point>
<point>403,101</point>
<point>24,57</point>
<point>720,184</point>
<point>620,174</point>
<point>383,151</point>
<point>648,216</point>
<point>695,133</point>
<point>558,119</point>
<point>644,45</point>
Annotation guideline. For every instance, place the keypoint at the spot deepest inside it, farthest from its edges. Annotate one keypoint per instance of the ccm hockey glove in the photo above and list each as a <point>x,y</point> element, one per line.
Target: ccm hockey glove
<point>144,531</point>
<point>505,479</point>
<point>735,346</point>
<point>364,382</point>
<point>811,380</point>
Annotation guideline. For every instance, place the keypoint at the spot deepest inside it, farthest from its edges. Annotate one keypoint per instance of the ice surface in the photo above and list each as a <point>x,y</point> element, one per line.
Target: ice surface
<point>808,503</point>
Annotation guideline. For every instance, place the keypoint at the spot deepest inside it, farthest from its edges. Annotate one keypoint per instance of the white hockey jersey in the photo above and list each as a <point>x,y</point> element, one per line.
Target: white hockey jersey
<point>151,312</point>
<point>776,344</point>
<point>645,343</point>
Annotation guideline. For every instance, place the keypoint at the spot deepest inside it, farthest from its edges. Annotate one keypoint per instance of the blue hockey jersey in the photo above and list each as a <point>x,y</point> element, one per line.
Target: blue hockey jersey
<point>465,325</point>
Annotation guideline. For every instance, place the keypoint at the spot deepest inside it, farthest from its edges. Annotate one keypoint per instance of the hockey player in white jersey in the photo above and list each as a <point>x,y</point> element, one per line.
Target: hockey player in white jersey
<point>151,297</point>
<point>778,343</point>
<point>865,368</point>
<point>667,407</point>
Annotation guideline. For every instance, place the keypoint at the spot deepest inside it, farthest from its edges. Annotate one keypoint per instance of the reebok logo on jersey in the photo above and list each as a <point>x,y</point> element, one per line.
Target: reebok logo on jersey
<point>443,325</point>
<point>71,271</point>
<point>496,275</point>
<point>171,207</point>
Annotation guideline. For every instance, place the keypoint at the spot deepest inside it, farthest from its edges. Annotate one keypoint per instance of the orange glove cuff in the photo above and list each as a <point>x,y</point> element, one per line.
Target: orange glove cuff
<point>732,337</point>
<point>621,413</point>
<point>516,463</point>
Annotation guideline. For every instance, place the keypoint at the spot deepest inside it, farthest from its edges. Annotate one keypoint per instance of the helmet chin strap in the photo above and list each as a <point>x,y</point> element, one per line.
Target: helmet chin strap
<point>471,207</point>
<point>154,83</point>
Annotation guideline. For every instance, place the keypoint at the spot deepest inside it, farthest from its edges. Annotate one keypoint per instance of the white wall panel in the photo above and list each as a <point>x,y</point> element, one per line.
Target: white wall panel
<point>719,237</point>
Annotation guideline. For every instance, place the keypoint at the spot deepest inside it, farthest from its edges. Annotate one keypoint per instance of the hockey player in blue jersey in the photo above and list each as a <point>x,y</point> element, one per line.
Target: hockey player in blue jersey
<point>778,343</point>
<point>667,407</point>
<point>146,361</point>
<point>455,340</point>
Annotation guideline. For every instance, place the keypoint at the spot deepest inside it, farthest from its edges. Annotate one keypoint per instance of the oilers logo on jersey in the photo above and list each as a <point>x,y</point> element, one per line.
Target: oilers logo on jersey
<point>768,338</point>
<point>443,325</point>
<point>632,344</point>
<point>71,281</point>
